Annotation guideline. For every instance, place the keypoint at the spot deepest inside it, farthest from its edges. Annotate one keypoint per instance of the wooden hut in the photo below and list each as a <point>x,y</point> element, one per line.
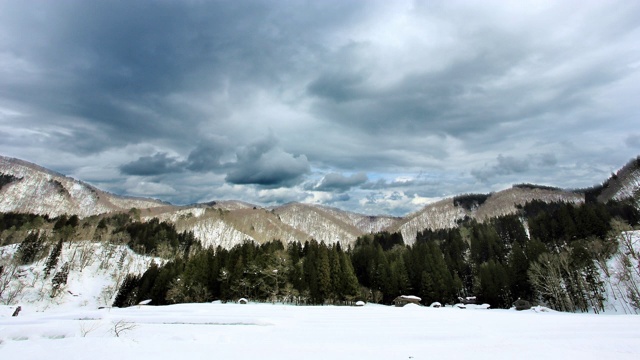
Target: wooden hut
<point>522,305</point>
<point>403,300</point>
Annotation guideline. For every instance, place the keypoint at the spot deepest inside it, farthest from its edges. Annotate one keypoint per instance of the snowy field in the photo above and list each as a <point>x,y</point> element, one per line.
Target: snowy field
<point>265,331</point>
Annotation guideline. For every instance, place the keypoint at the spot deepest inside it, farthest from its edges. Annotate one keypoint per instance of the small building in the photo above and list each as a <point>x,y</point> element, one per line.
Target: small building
<point>467,300</point>
<point>403,300</point>
<point>522,305</point>
<point>436,305</point>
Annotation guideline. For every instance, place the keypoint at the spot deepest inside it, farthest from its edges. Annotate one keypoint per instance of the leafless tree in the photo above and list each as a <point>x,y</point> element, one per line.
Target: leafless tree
<point>546,275</point>
<point>122,326</point>
<point>87,327</point>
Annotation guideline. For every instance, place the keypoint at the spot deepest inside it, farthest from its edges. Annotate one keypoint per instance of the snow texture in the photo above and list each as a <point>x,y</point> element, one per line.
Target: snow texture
<point>265,331</point>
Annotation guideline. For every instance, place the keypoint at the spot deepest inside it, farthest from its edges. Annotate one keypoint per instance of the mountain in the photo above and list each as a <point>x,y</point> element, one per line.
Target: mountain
<point>446,213</point>
<point>625,183</point>
<point>29,188</point>
<point>26,187</point>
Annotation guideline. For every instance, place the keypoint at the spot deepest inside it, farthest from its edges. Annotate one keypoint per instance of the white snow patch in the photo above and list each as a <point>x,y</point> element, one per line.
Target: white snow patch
<point>265,331</point>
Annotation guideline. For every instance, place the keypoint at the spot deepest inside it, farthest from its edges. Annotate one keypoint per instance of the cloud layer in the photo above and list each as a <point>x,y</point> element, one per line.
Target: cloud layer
<point>372,106</point>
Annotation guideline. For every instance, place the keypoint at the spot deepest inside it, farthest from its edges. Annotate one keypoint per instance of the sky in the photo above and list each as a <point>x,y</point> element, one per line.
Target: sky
<point>378,107</point>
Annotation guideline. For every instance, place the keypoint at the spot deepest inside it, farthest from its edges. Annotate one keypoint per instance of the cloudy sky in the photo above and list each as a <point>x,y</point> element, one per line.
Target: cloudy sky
<point>371,106</point>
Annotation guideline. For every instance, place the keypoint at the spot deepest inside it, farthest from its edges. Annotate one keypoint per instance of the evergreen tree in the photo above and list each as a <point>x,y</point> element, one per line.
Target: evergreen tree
<point>59,279</point>
<point>324,275</point>
<point>52,260</point>
<point>127,293</point>
<point>494,285</point>
<point>349,281</point>
<point>30,247</point>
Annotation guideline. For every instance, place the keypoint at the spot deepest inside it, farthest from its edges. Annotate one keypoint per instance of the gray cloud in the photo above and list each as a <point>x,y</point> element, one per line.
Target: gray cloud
<point>263,163</point>
<point>505,165</point>
<point>206,156</point>
<point>633,141</point>
<point>157,164</point>
<point>547,160</point>
<point>510,165</point>
<point>385,184</point>
<point>341,183</point>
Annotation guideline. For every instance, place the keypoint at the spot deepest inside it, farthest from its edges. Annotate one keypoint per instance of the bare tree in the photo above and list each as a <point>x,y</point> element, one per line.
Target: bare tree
<point>88,327</point>
<point>546,275</point>
<point>122,326</point>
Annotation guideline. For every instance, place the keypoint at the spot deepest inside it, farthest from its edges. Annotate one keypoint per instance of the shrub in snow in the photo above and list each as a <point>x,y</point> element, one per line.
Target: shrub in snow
<point>435,305</point>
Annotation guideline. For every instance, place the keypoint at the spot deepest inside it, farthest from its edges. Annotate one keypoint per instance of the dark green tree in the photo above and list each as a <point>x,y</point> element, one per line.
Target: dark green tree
<point>52,260</point>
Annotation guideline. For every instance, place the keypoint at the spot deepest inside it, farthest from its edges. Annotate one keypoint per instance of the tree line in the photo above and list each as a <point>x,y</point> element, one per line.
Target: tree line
<point>547,252</point>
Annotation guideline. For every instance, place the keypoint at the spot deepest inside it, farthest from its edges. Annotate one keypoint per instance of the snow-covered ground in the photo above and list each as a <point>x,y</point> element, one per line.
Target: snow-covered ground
<point>96,270</point>
<point>621,275</point>
<point>70,326</point>
<point>265,331</point>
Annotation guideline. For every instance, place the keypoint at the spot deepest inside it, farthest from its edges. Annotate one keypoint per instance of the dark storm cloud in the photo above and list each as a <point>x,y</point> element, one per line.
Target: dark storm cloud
<point>206,156</point>
<point>104,65</point>
<point>264,163</point>
<point>463,98</point>
<point>116,67</point>
<point>341,183</point>
<point>156,164</point>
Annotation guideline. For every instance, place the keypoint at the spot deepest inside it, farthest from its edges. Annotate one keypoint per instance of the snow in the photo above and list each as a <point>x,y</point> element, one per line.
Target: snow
<point>622,275</point>
<point>95,272</point>
<point>71,326</point>
<point>265,331</point>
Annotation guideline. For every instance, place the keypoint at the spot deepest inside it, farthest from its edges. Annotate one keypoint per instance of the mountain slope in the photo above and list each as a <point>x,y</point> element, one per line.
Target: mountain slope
<point>30,188</point>
<point>445,213</point>
<point>625,183</point>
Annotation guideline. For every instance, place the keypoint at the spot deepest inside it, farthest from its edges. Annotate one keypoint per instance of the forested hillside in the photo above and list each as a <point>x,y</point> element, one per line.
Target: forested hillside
<point>549,253</point>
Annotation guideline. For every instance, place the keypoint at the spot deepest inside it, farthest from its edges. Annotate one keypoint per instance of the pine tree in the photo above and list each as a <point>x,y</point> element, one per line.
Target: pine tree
<point>427,291</point>
<point>348,280</point>
<point>30,247</point>
<point>518,278</point>
<point>324,274</point>
<point>127,294</point>
<point>52,260</point>
<point>336,273</point>
<point>59,279</point>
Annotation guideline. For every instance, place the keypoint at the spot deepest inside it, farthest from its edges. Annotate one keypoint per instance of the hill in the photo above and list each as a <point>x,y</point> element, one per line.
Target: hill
<point>29,188</point>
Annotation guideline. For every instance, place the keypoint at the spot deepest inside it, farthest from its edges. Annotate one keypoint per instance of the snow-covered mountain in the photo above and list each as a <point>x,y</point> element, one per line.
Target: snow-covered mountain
<point>29,188</point>
<point>25,187</point>
<point>445,213</point>
<point>623,184</point>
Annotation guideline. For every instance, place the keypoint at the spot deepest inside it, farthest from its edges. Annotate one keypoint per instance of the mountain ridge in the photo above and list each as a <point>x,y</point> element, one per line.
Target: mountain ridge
<point>28,187</point>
